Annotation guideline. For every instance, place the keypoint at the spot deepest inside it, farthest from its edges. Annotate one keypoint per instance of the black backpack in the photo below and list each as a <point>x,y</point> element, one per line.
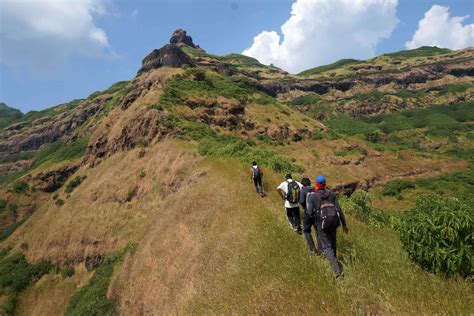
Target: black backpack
<point>256,172</point>
<point>293,195</point>
<point>328,213</point>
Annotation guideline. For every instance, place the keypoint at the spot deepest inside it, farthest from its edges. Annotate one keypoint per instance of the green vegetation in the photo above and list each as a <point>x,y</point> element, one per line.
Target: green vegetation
<point>74,183</point>
<point>395,187</point>
<point>438,234</point>
<point>15,275</point>
<point>92,298</point>
<point>53,111</point>
<point>455,88</point>
<point>51,154</point>
<point>439,120</point>
<point>114,88</point>
<point>359,205</point>
<point>307,99</point>
<point>8,115</point>
<point>59,151</point>
<point>351,150</point>
<point>338,64</point>
<point>67,271</point>
<point>214,144</point>
<point>241,60</point>
<point>350,126</point>
<point>199,83</point>
<point>24,155</point>
<point>19,187</point>
<point>423,51</point>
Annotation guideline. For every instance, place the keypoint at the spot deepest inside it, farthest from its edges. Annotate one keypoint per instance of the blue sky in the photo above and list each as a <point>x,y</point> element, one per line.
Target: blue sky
<point>58,61</point>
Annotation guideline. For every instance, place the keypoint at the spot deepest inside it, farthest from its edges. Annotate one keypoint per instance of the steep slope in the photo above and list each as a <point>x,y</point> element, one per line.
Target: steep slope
<point>143,189</point>
<point>8,115</point>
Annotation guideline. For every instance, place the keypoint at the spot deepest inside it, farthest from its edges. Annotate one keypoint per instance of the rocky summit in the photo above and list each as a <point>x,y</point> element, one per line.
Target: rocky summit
<point>137,199</point>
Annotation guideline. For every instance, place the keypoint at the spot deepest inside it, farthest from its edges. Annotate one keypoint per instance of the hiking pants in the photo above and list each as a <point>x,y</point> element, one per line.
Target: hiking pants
<point>258,184</point>
<point>293,214</point>
<point>308,222</point>
<point>328,243</point>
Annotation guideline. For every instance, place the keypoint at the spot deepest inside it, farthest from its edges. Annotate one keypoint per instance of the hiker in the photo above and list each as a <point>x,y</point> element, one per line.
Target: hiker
<point>324,205</point>
<point>257,175</point>
<point>289,191</point>
<point>309,220</point>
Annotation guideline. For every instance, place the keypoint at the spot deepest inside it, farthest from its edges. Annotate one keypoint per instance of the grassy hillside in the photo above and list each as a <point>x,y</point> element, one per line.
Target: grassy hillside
<point>8,115</point>
<point>160,215</point>
<point>338,64</point>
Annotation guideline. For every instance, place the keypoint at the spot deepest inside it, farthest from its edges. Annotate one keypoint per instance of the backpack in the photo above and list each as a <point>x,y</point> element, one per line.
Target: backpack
<point>328,213</point>
<point>293,195</point>
<point>256,172</point>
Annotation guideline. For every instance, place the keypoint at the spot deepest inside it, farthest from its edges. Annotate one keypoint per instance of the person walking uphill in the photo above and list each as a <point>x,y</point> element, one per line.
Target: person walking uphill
<point>309,220</point>
<point>257,175</point>
<point>329,216</point>
<point>289,191</point>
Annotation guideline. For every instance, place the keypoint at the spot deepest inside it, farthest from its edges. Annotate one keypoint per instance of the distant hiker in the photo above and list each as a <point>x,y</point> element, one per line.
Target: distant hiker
<point>309,219</point>
<point>329,216</point>
<point>289,191</point>
<point>257,175</point>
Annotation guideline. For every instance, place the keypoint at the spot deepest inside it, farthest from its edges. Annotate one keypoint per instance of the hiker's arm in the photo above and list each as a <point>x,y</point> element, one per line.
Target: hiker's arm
<point>309,204</point>
<point>282,194</point>
<point>341,216</point>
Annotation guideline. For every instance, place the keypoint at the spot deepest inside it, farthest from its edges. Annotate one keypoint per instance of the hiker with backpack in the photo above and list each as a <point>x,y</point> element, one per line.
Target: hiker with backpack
<point>289,191</point>
<point>324,206</point>
<point>309,220</point>
<point>256,176</point>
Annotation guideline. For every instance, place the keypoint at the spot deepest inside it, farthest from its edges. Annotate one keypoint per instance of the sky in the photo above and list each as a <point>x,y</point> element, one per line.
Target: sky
<point>54,51</point>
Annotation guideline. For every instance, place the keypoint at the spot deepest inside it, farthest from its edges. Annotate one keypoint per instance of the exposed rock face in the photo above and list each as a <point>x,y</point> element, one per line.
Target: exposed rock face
<point>180,37</point>
<point>25,137</point>
<point>53,179</point>
<point>169,55</point>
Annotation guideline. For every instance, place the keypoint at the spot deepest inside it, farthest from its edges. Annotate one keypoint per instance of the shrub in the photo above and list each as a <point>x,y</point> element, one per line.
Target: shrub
<point>142,174</point>
<point>24,246</point>
<point>19,187</point>
<point>74,183</point>
<point>395,187</point>
<point>359,205</point>
<point>307,99</point>
<point>438,234</point>
<point>141,154</point>
<point>16,274</point>
<point>67,271</point>
<point>92,299</point>
<point>59,202</point>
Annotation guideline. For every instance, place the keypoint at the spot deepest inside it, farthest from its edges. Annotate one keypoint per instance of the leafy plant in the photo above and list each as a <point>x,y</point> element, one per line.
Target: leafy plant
<point>359,205</point>
<point>74,183</point>
<point>19,187</point>
<point>438,234</point>
<point>395,187</point>
<point>16,274</point>
<point>67,271</point>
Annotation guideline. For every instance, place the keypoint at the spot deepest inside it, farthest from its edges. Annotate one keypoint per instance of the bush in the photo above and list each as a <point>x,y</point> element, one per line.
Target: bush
<point>16,274</point>
<point>359,205</point>
<point>19,187</point>
<point>438,234</point>
<point>92,299</point>
<point>74,183</point>
<point>67,271</point>
<point>395,187</point>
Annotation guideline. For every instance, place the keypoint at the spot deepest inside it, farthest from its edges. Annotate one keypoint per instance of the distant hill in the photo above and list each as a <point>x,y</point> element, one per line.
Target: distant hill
<point>8,115</point>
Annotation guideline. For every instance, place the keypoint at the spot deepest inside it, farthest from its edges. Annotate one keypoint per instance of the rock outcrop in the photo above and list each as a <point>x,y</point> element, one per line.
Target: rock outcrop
<point>180,37</point>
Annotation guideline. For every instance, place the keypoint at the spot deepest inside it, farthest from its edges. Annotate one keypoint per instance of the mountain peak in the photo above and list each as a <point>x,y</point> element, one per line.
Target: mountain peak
<point>180,37</point>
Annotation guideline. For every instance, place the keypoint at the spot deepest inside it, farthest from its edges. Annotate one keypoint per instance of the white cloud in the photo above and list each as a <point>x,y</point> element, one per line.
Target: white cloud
<point>323,31</point>
<point>438,28</point>
<point>43,34</point>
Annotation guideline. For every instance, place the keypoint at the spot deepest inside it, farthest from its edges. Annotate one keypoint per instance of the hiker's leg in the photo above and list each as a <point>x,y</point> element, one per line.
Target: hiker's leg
<point>333,241</point>
<point>289,214</point>
<point>255,182</point>
<point>319,251</point>
<point>297,218</point>
<point>260,185</point>
<point>307,223</point>
<point>326,243</point>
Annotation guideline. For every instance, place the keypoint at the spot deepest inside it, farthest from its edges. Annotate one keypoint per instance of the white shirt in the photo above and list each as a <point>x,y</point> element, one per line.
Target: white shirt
<point>284,186</point>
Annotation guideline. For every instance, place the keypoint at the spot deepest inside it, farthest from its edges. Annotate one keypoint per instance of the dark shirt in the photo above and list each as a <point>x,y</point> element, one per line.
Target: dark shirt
<point>313,203</point>
<point>303,193</point>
